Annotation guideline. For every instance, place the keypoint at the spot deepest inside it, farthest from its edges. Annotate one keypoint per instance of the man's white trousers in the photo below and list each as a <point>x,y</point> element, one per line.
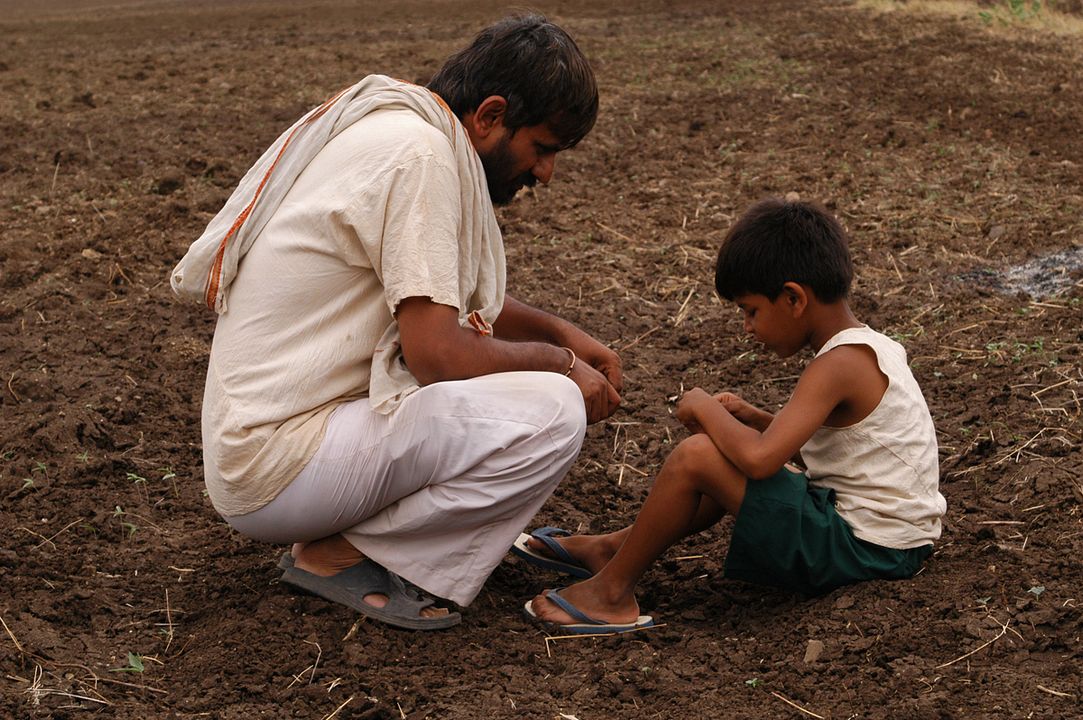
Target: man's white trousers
<point>438,490</point>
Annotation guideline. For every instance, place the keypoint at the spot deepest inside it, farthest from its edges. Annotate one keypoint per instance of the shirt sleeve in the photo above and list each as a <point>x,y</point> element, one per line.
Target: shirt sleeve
<point>413,215</point>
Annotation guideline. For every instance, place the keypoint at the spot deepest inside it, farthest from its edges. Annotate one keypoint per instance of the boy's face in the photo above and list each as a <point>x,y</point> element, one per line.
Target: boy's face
<point>775,323</point>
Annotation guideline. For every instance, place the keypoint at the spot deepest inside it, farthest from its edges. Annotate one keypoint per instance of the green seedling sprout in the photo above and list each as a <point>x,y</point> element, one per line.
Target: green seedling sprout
<point>172,477</point>
<point>135,664</point>
<point>139,481</point>
<point>28,482</point>
<point>129,527</point>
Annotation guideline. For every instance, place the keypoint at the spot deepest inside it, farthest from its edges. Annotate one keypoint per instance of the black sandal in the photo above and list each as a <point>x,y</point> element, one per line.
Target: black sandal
<point>349,588</point>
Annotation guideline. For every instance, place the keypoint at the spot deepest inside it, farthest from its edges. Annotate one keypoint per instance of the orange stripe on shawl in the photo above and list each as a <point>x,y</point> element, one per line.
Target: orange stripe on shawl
<point>216,269</point>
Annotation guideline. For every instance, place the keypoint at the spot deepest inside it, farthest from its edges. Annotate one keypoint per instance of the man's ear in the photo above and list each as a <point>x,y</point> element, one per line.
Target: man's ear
<point>796,298</point>
<point>487,118</point>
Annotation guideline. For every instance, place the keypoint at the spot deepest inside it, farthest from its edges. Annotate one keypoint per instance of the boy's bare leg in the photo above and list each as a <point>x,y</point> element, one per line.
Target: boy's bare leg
<point>333,554</point>
<point>591,551</point>
<point>694,471</point>
<point>594,551</point>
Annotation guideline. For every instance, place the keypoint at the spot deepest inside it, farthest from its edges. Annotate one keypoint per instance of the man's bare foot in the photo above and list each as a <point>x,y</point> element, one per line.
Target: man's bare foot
<point>331,555</point>
<point>592,551</point>
<point>588,599</point>
<point>326,556</point>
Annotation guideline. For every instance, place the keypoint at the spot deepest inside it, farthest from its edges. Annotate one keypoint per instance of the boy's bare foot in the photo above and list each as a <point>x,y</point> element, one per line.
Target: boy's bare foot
<point>592,551</point>
<point>588,599</point>
<point>331,555</point>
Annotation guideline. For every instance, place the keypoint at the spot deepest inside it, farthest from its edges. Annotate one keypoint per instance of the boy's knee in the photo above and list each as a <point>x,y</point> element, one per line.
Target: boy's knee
<point>697,453</point>
<point>702,467</point>
<point>690,460</point>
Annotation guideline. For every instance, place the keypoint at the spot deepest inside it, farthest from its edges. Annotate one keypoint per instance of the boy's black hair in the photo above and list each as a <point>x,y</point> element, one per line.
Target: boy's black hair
<point>776,242</point>
<point>534,65</point>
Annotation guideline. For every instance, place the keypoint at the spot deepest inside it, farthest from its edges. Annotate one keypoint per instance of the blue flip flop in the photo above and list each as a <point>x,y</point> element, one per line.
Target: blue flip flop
<point>586,625</point>
<point>561,562</point>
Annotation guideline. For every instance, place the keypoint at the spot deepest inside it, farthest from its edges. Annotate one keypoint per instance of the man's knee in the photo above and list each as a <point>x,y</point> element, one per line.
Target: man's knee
<point>564,405</point>
<point>544,406</point>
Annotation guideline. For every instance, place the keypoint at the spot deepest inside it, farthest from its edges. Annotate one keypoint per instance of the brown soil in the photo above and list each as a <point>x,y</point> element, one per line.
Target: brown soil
<point>948,145</point>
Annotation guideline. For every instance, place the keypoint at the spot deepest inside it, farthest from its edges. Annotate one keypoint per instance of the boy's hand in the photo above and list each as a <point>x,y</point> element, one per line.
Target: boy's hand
<point>744,411</point>
<point>691,404</point>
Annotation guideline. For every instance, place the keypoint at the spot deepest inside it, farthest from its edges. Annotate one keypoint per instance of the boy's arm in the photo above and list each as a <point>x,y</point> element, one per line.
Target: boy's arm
<point>750,415</point>
<point>828,381</point>
<point>745,411</point>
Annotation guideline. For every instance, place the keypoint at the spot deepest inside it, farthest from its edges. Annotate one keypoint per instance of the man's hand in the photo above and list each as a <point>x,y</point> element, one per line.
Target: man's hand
<point>595,363</point>
<point>599,395</point>
<point>601,358</point>
<point>436,348</point>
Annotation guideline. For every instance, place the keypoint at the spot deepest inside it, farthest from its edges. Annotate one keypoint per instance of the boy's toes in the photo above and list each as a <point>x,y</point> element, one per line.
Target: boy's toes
<point>539,547</point>
<point>546,610</point>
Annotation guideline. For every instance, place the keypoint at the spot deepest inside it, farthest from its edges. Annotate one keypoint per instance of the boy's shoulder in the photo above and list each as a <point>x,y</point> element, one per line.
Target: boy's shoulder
<point>849,368</point>
<point>842,364</point>
<point>861,335</point>
<point>855,342</point>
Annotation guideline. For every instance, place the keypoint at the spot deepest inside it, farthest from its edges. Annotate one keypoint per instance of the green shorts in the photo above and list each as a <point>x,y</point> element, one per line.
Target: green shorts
<point>788,535</point>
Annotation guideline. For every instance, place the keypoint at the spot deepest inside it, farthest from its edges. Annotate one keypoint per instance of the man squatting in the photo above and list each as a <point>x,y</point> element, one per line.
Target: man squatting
<point>373,395</point>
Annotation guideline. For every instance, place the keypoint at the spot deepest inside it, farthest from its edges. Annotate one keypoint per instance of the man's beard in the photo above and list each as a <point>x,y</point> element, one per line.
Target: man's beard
<point>498,164</point>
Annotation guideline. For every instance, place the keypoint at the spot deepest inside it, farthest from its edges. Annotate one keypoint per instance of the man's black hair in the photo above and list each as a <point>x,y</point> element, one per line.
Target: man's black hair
<point>776,242</point>
<point>534,65</point>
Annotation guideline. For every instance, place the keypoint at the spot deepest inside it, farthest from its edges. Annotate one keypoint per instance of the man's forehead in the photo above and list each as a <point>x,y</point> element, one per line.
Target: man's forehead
<point>543,134</point>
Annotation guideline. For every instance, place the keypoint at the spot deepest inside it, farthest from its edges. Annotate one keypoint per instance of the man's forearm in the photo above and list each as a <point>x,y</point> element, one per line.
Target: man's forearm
<point>519,321</point>
<point>437,348</point>
<point>470,355</point>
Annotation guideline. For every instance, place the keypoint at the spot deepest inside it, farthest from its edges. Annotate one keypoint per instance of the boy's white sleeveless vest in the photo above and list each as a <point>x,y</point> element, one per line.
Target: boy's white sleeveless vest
<point>884,469</point>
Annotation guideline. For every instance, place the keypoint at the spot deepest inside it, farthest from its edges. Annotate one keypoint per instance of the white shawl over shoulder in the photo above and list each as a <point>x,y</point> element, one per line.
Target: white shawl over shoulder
<point>206,271</point>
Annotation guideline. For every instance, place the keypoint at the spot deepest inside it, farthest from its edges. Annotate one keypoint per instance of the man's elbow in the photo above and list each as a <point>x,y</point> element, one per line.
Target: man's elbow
<point>424,376</point>
<point>427,367</point>
<point>441,361</point>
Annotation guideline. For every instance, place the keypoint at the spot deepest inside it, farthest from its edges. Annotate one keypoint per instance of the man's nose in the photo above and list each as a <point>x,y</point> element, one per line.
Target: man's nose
<point>543,169</point>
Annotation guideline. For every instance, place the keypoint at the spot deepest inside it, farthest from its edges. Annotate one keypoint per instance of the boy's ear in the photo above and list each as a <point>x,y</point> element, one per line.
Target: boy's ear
<point>796,298</point>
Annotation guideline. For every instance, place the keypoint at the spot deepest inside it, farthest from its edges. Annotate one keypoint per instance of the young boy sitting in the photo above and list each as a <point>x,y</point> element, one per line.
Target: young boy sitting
<point>868,506</point>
